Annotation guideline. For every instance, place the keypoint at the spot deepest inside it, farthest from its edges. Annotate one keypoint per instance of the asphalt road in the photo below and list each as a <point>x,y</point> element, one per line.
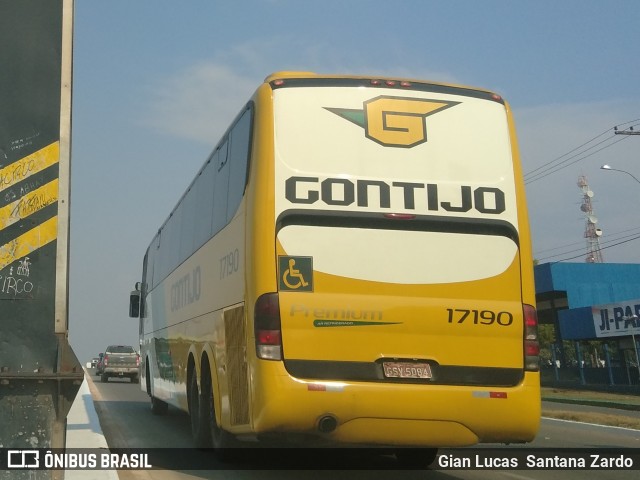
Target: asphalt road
<point>127,422</point>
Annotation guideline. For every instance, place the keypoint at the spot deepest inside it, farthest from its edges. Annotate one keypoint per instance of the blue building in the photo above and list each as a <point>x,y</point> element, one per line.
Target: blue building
<point>593,301</point>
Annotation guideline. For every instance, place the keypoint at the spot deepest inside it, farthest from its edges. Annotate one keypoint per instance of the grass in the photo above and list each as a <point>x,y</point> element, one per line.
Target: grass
<point>620,400</point>
<point>593,417</point>
<point>592,396</point>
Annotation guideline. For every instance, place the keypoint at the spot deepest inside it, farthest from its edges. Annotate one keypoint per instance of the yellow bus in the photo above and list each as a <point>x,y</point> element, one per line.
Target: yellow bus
<point>351,265</point>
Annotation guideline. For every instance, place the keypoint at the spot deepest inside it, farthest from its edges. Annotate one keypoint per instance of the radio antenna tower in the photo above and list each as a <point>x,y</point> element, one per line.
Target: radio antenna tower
<point>591,233</point>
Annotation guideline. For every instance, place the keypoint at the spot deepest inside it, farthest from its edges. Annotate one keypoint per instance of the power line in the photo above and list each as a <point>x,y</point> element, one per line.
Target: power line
<point>568,153</point>
<point>561,162</point>
<point>602,248</point>
<point>562,165</point>
<point>616,236</point>
<point>619,241</point>
<point>582,152</point>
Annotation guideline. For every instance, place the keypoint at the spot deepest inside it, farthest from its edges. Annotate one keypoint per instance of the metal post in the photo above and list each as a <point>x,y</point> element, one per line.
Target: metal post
<point>579,356</point>
<point>39,373</point>
<point>608,360</point>
<point>635,349</point>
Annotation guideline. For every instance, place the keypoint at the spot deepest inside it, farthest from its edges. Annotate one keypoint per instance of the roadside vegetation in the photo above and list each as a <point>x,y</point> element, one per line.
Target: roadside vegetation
<point>623,402</point>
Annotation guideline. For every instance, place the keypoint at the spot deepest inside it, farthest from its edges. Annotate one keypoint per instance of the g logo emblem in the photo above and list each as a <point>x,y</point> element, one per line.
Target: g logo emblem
<point>399,121</point>
<point>394,121</point>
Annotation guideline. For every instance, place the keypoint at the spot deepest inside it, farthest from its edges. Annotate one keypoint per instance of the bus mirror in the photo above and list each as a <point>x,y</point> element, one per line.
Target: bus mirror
<point>138,286</point>
<point>134,304</point>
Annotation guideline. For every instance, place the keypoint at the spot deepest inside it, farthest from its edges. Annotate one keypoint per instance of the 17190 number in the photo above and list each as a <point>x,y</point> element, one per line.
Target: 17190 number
<point>479,317</point>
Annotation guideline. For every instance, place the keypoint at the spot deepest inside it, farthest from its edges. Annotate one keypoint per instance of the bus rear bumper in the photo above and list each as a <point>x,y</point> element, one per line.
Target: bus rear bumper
<point>402,415</point>
<point>404,432</point>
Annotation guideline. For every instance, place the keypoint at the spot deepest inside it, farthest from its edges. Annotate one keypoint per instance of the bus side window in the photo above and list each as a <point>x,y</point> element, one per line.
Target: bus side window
<point>220,188</point>
<point>204,203</point>
<point>171,245</point>
<point>238,157</point>
<point>188,224</point>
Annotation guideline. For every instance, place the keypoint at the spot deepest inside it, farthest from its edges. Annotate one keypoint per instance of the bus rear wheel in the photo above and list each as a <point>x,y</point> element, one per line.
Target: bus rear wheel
<point>222,441</point>
<point>158,407</point>
<point>199,423</point>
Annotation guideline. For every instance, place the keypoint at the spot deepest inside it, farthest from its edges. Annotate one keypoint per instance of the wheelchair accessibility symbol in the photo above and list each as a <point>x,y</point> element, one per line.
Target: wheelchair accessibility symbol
<point>295,273</point>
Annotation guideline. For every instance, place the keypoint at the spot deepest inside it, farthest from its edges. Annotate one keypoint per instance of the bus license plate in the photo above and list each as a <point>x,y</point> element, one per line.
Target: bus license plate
<point>406,370</point>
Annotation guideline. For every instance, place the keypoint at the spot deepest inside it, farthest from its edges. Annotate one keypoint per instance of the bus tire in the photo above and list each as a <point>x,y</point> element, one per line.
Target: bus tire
<point>199,425</point>
<point>158,407</point>
<point>222,441</point>
<point>417,458</point>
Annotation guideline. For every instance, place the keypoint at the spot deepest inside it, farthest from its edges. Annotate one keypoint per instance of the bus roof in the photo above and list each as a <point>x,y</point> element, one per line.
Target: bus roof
<point>293,78</point>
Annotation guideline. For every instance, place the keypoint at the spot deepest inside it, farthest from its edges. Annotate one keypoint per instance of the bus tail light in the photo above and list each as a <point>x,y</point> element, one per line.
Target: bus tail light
<point>531,344</point>
<point>267,327</point>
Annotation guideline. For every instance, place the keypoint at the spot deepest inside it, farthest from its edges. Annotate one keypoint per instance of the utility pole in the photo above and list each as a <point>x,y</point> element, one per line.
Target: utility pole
<point>629,131</point>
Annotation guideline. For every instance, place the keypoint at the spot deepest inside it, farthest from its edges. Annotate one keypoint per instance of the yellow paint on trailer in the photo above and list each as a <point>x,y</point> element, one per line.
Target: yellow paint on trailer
<point>29,165</point>
<point>28,242</point>
<point>29,204</point>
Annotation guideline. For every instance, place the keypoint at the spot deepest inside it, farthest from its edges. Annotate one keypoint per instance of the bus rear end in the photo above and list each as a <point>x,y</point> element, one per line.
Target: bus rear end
<point>403,309</point>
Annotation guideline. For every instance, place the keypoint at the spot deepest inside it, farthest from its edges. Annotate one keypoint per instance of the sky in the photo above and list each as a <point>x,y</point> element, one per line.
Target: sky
<point>156,83</point>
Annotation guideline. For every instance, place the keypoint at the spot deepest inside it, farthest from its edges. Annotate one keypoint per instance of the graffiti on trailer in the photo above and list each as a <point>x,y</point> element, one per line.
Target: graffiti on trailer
<point>17,283</point>
<point>17,172</point>
<point>27,186</point>
<point>30,204</point>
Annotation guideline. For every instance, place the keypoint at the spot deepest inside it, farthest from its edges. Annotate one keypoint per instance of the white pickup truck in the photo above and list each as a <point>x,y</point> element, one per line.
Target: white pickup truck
<point>120,361</point>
